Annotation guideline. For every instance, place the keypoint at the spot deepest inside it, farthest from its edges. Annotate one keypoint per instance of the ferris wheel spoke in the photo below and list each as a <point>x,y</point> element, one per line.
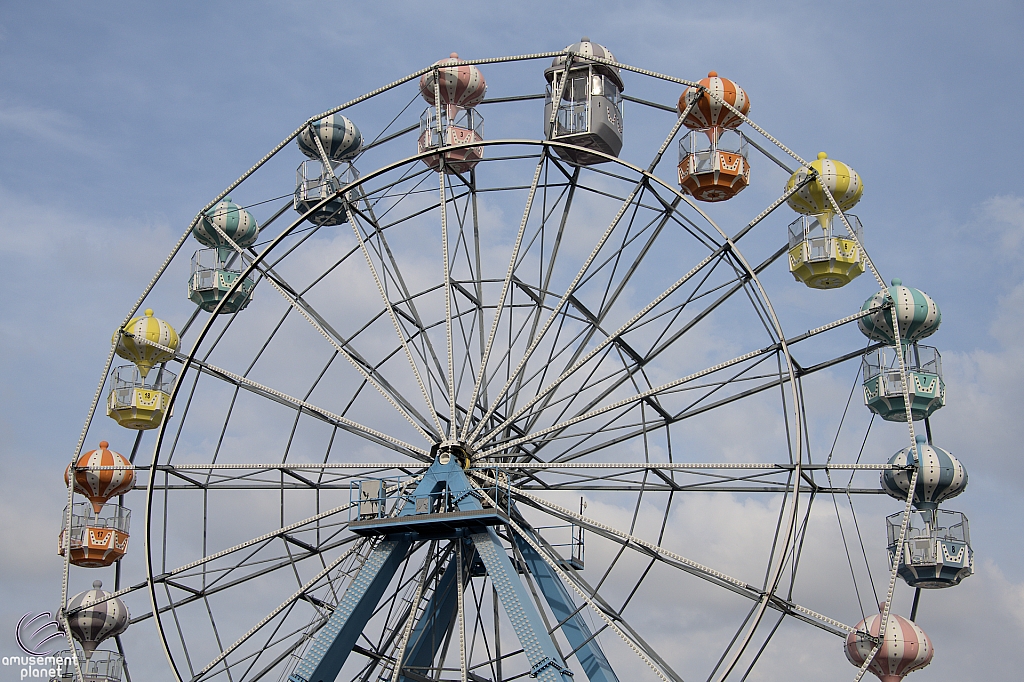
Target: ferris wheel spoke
<point>681,477</point>
<point>661,221</point>
<point>240,381</point>
<point>392,271</point>
<point>536,294</point>
<point>181,635</point>
<point>296,301</point>
<point>447,274</point>
<point>276,611</point>
<point>261,569</point>
<point>216,633</point>
<point>477,267</point>
<point>394,319</point>
<point>675,560</point>
<point>718,255</point>
<point>183,570</point>
<point>479,384</point>
<point>609,338</point>
<point>467,296</point>
<point>212,579</point>
<point>592,325</point>
<point>371,375</point>
<point>466,369</point>
<point>345,423</point>
<point>705,406</point>
<point>670,209</point>
<point>584,268</point>
<point>263,476</point>
<point>756,270</point>
<point>563,203</point>
<point>653,401</point>
<point>299,412</point>
<point>264,539</point>
<point>380,193</point>
<point>636,227</point>
<point>573,348</point>
<point>628,401</point>
<point>662,343</point>
<point>539,294</point>
<point>679,385</point>
<point>290,640</point>
<point>663,486</point>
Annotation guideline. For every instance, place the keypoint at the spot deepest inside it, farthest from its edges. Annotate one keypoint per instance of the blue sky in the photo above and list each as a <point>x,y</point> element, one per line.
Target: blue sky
<point>118,121</point>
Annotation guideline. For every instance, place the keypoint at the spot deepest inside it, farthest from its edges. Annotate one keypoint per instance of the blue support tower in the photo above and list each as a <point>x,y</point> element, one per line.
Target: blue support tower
<point>446,505</point>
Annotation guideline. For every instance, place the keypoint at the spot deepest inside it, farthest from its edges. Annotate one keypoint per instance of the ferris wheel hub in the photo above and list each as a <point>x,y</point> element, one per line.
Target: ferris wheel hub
<point>444,451</point>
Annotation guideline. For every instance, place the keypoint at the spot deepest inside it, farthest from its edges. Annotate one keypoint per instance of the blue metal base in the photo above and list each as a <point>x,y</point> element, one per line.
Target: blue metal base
<point>431,526</point>
<point>469,522</point>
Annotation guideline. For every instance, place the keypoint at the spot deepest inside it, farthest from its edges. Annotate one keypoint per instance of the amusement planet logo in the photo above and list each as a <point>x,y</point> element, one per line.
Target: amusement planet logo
<point>36,635</point>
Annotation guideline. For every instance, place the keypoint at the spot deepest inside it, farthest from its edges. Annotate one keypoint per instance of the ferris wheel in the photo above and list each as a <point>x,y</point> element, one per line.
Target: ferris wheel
<point>443,411</point>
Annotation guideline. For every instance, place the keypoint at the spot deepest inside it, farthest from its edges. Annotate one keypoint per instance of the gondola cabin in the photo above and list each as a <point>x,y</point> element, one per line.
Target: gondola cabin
<point>452,89</point>
<point>215,269</point>
<point>713,164</point>
<point>820,257</point>
<point>458,127</point>
<point>139,402</point>
<point>214,272</point>
<point>823,253</point>
<point>583,105</point>
<point>313,184</point>
<point>139,397</point>
<point>883,386</point>
<point>98,537</point>
<point>937,550</point>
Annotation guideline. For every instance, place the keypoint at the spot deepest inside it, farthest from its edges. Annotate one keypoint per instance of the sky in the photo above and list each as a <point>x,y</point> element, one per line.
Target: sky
<point>119,121</point>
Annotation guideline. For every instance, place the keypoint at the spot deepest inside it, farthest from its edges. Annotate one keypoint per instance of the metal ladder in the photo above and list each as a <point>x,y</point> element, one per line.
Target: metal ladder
<point>393,633</point>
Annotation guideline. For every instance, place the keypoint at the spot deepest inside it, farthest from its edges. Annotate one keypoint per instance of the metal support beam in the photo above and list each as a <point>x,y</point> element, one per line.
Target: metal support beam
<point>574,627</point>
<point>327,654</point>
<point>546,663</point>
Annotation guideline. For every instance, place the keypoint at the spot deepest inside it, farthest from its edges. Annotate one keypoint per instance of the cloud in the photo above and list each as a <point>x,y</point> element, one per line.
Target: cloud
<point>985,385</point>
<point>51,131</point>
<point>1003,216</point>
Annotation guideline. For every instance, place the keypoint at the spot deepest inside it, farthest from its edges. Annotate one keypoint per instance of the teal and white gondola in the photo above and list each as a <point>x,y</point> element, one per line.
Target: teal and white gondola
<point>916,312</point>
<point>215,269</point>
<point>936,552</point>
<point>883,383</point>
<point>918,317</point>
<point>341,141</point>
<point>339,137</point>
<point>941,476</point>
